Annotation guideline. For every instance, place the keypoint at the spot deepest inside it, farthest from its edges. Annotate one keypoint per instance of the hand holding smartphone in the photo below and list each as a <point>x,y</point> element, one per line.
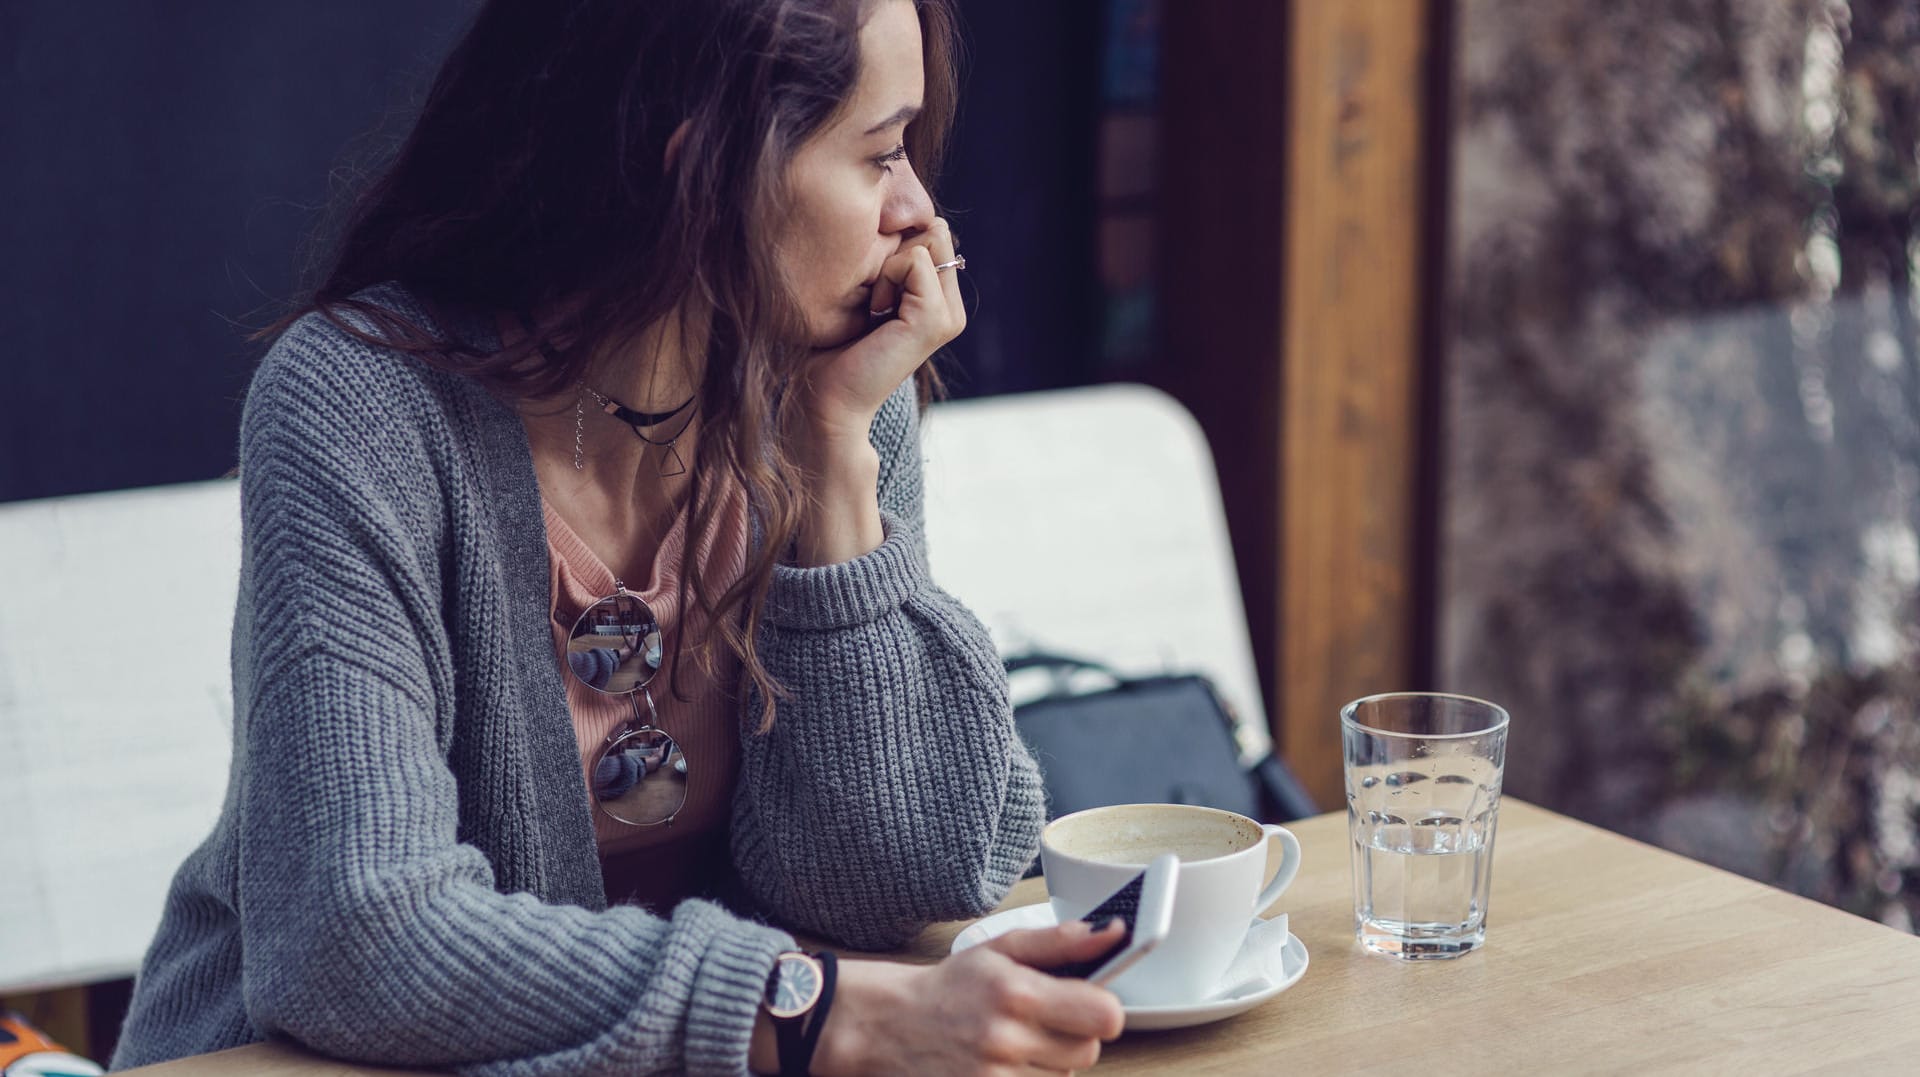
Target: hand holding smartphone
<point>1145,906</point>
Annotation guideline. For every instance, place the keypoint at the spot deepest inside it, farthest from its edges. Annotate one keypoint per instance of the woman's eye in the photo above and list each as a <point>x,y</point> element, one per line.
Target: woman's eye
<point>885,163</point>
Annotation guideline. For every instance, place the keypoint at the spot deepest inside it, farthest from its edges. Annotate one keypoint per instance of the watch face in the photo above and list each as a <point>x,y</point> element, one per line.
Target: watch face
<point>796,987</point>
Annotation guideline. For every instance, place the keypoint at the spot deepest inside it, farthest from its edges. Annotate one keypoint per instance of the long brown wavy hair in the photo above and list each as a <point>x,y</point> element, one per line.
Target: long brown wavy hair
<point>532,180</point>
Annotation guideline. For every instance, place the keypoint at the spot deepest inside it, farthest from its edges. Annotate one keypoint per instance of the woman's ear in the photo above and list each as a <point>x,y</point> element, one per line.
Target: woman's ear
<point>673,147</point>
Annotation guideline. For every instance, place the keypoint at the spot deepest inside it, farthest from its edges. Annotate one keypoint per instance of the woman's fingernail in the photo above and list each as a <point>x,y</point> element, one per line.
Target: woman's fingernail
<point>1101,924</point>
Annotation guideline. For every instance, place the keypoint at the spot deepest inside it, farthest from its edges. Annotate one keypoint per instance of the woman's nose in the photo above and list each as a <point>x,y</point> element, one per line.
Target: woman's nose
<point>909,207</point>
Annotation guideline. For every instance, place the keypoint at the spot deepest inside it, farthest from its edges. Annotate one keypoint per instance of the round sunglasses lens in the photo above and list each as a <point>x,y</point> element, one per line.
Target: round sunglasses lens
<point>615,645</point>
<point>641,778</point>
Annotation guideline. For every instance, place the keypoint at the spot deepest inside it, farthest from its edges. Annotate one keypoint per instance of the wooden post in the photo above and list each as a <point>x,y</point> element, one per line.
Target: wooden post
<point>1351,360</point>
<point>1291,307</point>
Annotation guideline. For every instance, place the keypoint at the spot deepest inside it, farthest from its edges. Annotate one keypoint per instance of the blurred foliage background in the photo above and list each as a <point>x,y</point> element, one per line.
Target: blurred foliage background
<point>1682,424</point>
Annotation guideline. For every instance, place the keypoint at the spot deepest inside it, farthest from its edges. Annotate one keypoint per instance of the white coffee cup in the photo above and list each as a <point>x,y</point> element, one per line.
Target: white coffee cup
<point>1223,856</point>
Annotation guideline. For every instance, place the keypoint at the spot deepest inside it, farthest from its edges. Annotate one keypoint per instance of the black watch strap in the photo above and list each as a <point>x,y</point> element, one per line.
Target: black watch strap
<point>796,1038</point>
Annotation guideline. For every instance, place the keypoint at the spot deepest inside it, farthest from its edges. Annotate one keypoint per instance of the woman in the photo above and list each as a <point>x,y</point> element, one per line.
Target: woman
<point>629,339</point>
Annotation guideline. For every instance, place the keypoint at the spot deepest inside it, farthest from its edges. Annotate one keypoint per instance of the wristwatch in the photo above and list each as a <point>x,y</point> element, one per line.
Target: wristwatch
<point>799,993</point>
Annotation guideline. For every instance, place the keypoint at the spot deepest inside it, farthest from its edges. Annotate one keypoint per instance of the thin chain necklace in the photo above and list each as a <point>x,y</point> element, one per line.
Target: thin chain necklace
<point>638,421</point>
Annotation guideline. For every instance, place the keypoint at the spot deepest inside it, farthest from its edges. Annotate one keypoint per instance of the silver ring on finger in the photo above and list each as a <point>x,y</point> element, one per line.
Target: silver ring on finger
<point>958,262</point>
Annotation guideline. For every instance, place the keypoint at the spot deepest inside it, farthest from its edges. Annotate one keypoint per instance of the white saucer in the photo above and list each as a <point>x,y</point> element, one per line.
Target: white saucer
<point>1272,969</point>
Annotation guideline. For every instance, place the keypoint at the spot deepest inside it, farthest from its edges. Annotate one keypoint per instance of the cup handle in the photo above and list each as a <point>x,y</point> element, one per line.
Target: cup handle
<point>1289,867</point>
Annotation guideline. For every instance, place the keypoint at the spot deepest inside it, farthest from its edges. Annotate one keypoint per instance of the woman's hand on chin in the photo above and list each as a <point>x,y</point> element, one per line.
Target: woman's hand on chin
<point>845,386</point>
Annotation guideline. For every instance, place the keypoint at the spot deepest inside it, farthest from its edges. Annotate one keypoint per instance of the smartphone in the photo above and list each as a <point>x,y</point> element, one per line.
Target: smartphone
<point>1145,906</point>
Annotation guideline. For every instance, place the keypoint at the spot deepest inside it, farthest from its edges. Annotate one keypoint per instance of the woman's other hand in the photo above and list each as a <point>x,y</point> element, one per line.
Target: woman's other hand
<point>986,1010</point>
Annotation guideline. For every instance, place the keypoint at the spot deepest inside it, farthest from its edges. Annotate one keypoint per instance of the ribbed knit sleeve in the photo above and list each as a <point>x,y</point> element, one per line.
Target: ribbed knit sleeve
<point>371,931</point>
<point>892,791</point>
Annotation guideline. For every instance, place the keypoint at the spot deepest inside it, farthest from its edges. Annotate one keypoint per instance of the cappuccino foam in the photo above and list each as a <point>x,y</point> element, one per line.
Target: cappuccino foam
<point>1133,835</point>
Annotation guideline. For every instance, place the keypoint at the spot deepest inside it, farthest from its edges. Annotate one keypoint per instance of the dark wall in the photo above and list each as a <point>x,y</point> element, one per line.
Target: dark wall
<point>164,160</point>
<point>158,159</point>
<point>1019,192</point>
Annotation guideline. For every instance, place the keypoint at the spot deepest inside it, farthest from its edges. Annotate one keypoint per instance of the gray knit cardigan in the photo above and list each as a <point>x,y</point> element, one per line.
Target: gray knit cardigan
<point>404,868</point>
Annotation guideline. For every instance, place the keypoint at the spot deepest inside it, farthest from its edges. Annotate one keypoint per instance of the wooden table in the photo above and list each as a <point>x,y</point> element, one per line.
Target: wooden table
<point>1602,954</point>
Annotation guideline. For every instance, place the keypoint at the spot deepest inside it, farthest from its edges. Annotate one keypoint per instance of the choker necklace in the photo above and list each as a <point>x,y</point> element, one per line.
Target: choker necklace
<point>638,421</point>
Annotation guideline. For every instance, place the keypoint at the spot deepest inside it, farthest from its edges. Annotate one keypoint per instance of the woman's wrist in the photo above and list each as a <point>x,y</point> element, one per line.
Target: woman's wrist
<point>838,1047</point>
<point>867,990</point>
<point>842,516</point>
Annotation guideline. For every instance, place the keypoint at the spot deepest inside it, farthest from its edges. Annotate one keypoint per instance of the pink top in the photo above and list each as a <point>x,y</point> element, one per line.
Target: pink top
<point>659,865</point>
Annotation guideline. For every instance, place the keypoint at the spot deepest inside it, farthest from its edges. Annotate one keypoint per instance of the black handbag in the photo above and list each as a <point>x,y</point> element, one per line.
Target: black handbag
<point>1161,739</point>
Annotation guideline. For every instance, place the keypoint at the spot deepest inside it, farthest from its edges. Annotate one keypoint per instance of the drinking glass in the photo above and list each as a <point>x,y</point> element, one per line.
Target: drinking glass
<point>1423,795</point>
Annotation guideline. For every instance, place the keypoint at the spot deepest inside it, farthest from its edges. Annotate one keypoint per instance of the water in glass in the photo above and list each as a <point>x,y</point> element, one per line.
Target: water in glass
<point>1423,854</point>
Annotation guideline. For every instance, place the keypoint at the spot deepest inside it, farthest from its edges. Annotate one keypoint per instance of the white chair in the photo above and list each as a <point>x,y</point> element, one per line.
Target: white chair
<point>1089,522</point>
<point>115,718</point>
